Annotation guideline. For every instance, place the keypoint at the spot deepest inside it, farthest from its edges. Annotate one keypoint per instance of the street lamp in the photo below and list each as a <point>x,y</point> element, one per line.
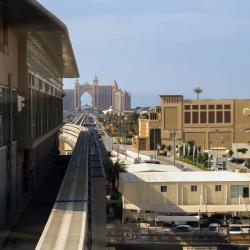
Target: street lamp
<point>173,131</point>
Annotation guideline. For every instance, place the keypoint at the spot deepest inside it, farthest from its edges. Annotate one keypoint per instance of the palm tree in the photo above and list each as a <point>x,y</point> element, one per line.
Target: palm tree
<point>198,90</point>
<point>112,172</point>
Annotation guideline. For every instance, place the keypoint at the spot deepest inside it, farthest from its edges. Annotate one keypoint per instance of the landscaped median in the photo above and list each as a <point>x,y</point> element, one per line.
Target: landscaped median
<point>194,163</point>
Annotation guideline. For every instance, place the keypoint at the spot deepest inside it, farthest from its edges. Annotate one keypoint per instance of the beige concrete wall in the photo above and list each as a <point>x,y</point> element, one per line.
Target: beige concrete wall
<point>179,193</point>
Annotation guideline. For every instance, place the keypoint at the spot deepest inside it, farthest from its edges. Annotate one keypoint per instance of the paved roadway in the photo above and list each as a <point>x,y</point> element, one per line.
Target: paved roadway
<point>182,165</point>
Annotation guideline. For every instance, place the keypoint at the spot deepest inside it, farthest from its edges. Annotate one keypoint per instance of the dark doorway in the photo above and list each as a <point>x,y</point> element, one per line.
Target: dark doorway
<point>155,138</point>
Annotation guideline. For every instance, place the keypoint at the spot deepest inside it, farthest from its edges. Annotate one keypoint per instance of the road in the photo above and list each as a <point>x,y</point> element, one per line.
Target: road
<point>181,165</point>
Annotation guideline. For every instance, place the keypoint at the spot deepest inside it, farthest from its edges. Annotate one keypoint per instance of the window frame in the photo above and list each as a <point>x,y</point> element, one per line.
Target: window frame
<point>164,189</point>
<point>194,188</point>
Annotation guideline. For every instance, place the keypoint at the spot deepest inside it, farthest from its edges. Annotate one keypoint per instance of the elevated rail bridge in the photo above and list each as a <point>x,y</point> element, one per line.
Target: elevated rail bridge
<point>78,218</point>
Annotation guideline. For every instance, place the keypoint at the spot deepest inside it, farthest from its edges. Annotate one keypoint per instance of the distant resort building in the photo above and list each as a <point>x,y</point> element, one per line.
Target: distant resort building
<point>103,96</point>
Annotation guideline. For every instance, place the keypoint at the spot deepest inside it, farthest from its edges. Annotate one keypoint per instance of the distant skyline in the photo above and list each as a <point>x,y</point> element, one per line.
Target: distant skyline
<point>161,47</point>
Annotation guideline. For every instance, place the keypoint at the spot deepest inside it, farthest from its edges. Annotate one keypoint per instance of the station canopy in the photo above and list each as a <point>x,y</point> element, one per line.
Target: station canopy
<point>48,32</point>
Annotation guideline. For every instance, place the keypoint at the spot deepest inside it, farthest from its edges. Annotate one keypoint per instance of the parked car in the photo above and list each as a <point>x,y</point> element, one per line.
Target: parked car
<point>222,219</point>
<point>239,161</point>
<point>236,220</point>
<point>213,227</point>
<point>218,167</point>
<point>151,161</point>
<point>183,229</point>
<point>231,159</point>
<point>234,229</point>
<point>246,164</point>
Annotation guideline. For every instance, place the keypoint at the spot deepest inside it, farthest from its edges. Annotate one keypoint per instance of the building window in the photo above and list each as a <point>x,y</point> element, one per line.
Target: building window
<point>195,117</point>
<point>219,118</point>
<point>195,107</point>
<point>227,106</point>
<point>187,117</point>
<point>194,188</point>
<point>40,84</point>
<point>217,188</point>
<point>227,116</point>
<point>210,106</point>
<point>187,107</point>
<point>164,189</point>
<point>203,117</point>
<point>203,107</point>
<point>133,211</point>
<point>245,192</point>
<point>237,190</point>
<point>219,106</point>
<point>211,117</point>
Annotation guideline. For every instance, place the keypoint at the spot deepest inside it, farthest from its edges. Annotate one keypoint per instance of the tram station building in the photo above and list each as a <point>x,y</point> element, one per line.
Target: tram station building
<point>35,55</point>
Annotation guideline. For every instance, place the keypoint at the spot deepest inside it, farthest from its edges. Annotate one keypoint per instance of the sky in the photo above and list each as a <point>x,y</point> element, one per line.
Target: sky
<point>154,47</point>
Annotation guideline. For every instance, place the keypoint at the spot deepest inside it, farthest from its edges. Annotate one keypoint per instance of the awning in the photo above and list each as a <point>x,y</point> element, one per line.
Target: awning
<point>49,33</point>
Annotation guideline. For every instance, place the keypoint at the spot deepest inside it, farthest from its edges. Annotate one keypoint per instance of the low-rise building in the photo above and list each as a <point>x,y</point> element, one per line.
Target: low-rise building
<point>148,193</point>
<point>213,124</point>
<point>149,136</point>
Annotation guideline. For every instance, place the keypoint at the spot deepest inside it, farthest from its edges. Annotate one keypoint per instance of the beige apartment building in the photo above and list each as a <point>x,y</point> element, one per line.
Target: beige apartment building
<point>149,136</point>
<point>148,194</point>
<point>211,123</point>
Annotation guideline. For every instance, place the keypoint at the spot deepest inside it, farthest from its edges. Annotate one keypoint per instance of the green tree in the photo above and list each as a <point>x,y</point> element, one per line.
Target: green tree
<point>112,171</point>
<point>198,91</point>
<point>169,147</point>
<point>242,151</point>
<point>230,152</point>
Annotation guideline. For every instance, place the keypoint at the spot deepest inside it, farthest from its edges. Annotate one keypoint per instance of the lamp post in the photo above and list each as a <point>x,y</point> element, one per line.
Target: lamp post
<point>173,131</point>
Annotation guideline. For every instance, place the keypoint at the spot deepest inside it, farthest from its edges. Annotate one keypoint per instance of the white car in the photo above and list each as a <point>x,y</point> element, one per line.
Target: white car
<point>235,229</point>
<point>183,229</point>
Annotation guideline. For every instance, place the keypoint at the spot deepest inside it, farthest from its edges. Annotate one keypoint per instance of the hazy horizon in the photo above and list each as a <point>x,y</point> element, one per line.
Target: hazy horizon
<point>160,47</point>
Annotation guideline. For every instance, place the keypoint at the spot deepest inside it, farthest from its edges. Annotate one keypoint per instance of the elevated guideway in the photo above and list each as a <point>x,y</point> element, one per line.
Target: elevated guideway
<point>78,218</point>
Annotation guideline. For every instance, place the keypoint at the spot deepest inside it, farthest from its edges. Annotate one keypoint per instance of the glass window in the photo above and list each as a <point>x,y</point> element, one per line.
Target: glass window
<point>194,188</point>
<point>227,106</point>
<point>219,118</point>
<point>195,117</point>
<point>227,116</point>
<point>219,106</point>
<point>211,116</point>
<point>195,107</point>
<point>211,106</point>
<point>217,188</point>
<point>187,107</point>
<point>187,117</point>
<point>237,190</point>
<point>164,189</point>
<point>203,117</point>
<point>203,107</point>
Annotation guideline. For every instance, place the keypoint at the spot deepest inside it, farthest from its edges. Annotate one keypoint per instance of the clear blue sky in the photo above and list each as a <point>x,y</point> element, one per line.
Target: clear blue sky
<point>154,47</point>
